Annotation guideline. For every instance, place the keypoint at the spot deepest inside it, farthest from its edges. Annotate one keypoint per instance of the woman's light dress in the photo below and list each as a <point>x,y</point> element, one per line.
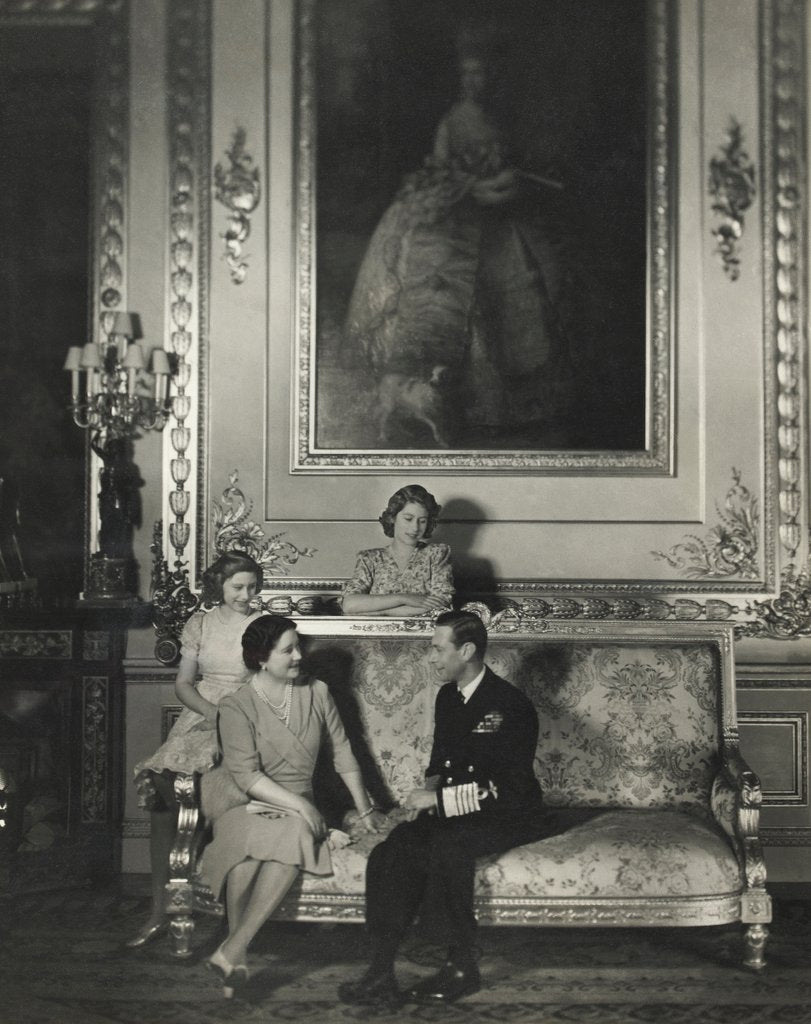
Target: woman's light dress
<point>428,572</point>
<point>257,743</point>
<point>215,642</point>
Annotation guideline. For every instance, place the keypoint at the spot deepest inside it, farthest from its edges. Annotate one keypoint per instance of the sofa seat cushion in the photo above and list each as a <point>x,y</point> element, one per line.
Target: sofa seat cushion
<point>623,853</point>
<point>619,854</point>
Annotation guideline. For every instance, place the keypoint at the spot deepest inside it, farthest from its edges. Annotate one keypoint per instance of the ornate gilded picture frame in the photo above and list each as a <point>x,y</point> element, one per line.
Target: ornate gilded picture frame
<point>484,255</point>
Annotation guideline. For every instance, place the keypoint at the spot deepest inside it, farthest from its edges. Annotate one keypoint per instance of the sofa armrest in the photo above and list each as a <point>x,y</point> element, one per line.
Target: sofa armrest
<point>190,830</point>
<point>735,800</point>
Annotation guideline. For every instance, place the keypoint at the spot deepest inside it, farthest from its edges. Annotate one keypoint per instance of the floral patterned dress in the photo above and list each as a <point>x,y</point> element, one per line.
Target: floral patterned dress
<point>428,571</point>
<point>191,746</point>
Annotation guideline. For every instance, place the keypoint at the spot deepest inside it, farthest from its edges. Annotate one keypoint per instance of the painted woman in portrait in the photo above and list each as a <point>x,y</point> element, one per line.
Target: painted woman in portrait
<point>455,305</point>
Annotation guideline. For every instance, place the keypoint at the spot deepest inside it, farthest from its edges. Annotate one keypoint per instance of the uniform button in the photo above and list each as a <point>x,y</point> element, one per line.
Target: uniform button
<point>470,767</point>
<point>447,764</point>
<point>449,780</point>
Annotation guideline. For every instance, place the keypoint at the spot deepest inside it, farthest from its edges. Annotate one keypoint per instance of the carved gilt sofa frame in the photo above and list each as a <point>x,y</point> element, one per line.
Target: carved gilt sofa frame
<point>637,725</point>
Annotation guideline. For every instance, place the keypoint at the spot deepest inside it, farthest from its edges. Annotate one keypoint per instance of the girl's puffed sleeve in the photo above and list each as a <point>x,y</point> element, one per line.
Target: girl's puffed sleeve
<point>238,740</point>
<point>363,576</point>
<point>440,583</point>
<point>192,636</point>
<point>342,757</point>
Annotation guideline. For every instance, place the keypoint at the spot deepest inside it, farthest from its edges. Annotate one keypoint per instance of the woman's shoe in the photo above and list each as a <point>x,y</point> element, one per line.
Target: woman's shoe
<point>146,934</point>
<point>233,976</point>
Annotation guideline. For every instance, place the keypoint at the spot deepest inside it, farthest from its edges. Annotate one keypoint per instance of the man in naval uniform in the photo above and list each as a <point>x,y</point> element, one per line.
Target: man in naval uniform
<point>481,797</point>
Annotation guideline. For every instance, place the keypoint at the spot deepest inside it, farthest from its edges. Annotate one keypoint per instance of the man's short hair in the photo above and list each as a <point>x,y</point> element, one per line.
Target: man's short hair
<point>466,628</point>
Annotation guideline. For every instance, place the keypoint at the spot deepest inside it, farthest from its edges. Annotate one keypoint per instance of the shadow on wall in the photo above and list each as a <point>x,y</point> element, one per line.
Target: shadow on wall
<point>334,664</point>
<point>473,574</point>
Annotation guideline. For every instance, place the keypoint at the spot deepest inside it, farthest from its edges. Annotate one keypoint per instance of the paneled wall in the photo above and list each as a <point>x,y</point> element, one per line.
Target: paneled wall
<point>708,519</point>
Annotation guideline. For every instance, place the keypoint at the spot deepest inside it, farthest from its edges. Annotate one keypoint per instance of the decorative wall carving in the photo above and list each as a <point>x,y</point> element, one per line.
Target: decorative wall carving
<point>732,187</point>
<point>36,643</point>
<point>784,237</point>
<point>237,188</point>
<point>786,616</point>
<point>95,713</point>
<point>172,601</point>
<point>730,548</point>
<point>96,645</point>
<point>188,58</point>
<point>233,528</point>
<point>534,613</point>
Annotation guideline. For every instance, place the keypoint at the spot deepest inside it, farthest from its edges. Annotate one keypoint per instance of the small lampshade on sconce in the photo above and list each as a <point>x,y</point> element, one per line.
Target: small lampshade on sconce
<point>126,324</point>
<point>114,413</point>
<point>162,372</point>
<point>73,364</point>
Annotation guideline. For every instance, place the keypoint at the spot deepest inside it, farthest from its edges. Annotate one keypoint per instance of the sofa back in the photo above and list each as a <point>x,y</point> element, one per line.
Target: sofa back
<point>631,715</point>
<point>620,725</point>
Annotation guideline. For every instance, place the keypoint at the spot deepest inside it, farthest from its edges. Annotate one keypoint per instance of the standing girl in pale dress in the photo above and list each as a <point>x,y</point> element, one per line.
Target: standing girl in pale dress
<point>271,731</point>
<point>407,577</point>
<point>211,647</point>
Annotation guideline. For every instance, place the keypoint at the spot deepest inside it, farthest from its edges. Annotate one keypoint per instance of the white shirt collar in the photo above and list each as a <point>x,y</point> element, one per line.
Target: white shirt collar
<point>468,689</point>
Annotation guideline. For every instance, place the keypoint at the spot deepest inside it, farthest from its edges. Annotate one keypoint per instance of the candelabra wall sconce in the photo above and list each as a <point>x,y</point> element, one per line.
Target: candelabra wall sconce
<point>113,397</point>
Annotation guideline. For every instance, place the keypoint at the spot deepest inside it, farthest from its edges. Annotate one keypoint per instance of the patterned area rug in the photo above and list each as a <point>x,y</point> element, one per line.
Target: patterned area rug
<point>62,962</point>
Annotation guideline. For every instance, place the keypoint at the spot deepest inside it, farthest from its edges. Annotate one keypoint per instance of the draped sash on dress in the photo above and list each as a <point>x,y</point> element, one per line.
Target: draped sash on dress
<point>283,739</point>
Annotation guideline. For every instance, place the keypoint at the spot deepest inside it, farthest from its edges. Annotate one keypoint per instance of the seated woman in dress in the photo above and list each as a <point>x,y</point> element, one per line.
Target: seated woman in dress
<point>270,734</point>
<point>211,647</point>
<point>408,576</point>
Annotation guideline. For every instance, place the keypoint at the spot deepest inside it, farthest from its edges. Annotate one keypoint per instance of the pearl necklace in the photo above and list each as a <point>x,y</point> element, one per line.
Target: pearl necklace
<point>280,710</point>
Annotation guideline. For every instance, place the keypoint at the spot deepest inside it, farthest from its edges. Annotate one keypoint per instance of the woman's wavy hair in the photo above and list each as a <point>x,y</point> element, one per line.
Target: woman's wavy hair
<point>398,501</point>
<point>261,636</point>
<point>227,565</point>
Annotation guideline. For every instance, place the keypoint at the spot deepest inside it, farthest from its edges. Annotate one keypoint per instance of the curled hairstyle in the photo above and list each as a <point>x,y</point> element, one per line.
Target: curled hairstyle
<point>398,501</point>
<point>466,628</point>
<point>261,636</point>
<point>227,565</point>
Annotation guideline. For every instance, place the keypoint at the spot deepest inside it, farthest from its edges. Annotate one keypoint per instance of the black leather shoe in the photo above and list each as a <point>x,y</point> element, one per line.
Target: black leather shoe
<point>447,985</point>
<point>372,990</point>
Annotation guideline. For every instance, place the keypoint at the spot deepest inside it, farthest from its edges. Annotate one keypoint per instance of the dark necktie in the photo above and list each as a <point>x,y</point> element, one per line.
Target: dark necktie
<point>460,697</point>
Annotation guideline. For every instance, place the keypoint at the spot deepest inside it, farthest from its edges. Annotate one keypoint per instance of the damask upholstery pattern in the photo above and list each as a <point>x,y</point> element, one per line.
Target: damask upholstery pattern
<point>628,854</point>
<point>623,853</point>
<point>385,692</point>
<point>621,726</point>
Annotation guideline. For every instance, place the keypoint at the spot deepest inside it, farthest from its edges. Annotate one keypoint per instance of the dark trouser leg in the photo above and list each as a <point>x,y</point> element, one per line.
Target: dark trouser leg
<point>396,875</point>
<point>453,866</point>
<point>456,845</point>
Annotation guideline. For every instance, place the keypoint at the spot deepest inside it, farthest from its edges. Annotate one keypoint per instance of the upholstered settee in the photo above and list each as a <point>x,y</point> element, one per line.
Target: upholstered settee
<point>638,743</point>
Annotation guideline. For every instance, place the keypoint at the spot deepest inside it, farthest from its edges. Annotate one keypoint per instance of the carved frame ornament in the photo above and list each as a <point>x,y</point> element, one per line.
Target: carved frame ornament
<point>657,456</point>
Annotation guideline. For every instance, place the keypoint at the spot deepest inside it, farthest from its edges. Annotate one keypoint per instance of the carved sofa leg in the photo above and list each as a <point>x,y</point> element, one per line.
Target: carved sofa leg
<point>181,928</point>
<point>180,907</point>
<point>754,944</point>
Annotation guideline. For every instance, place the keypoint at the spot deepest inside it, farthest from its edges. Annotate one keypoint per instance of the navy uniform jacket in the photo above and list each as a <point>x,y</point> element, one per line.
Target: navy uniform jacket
<point>490,740</point>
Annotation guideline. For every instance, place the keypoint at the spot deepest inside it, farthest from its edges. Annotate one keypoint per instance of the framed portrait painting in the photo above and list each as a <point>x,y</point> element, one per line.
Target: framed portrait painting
<point>483,205</point>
